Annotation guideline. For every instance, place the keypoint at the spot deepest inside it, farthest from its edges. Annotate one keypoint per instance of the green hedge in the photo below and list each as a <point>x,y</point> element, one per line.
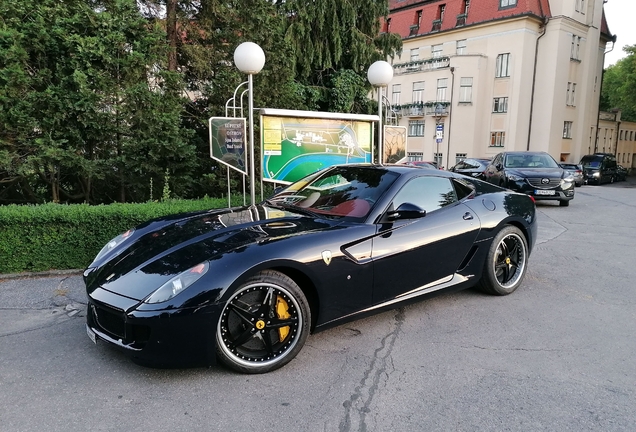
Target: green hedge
<point>57,236</point>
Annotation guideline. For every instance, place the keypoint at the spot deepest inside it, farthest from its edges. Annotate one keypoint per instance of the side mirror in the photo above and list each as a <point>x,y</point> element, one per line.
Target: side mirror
<point>499,167</point>
<point>406,211</point>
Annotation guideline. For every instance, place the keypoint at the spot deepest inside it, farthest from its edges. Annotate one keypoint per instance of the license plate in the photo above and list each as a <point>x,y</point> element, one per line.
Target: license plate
<point>543,192</point>
<point>91,334</point>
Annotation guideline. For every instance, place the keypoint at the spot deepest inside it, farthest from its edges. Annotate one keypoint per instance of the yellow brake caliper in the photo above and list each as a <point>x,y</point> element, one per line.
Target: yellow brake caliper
<point>282,310</point>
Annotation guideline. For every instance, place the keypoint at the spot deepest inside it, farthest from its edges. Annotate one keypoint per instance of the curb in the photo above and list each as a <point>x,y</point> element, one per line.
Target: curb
<point>43,274</point>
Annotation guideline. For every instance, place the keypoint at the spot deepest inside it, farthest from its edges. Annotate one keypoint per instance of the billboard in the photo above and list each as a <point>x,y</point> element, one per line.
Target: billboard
<point>394,147</point>
<point>297,143</point>
<point>227,141</point>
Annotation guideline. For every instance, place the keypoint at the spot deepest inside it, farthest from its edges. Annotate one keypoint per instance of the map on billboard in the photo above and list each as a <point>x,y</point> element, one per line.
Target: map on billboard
<point>227,141</point>
<point>298,143</point>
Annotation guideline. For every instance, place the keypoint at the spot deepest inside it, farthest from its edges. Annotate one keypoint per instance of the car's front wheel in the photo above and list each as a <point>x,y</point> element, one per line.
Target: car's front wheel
<point>506,262</point>
<point>264,324</point>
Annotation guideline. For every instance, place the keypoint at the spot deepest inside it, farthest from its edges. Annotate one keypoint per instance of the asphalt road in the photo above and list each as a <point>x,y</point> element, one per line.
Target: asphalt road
<point>557,355</point>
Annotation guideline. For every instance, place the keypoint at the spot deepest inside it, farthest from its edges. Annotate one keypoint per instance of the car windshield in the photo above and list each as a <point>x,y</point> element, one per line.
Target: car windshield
<point>591,163</point>
<point>339,191</point>
<point>529,161</point>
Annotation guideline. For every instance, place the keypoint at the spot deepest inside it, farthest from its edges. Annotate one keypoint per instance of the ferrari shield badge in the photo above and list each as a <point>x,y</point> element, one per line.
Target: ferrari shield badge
<point>326,257</point>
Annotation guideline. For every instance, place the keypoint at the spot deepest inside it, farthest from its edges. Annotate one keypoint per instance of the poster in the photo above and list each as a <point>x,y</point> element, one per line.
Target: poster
<point>394,144</point>
<point>227,141</point>
<point>298,143</point>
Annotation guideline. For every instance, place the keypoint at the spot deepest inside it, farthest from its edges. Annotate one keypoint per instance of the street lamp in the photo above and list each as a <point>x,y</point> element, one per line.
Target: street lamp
<point>380,75</point>
<point>249,58</point>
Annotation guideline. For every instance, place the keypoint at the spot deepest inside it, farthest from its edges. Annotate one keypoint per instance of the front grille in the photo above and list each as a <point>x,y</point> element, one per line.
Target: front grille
<point>536,182</point>
<point>110,321</point>
<point>113,322</point>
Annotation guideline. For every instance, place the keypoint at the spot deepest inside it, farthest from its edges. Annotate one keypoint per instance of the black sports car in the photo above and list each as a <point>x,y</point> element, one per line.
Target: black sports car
<point>247,285</point>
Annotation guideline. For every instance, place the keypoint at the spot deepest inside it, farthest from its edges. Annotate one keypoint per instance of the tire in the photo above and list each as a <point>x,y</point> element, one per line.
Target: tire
<point>506,262</point>
<point>264,324</point>
<point>564,203</point>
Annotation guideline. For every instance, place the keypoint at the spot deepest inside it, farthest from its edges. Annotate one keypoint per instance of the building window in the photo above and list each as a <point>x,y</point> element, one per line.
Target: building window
<point>466,6</point>
<point>442,9</point>
<point>388,25</point>
<point>416,128</point>
<point>621,136</point>
<point>507,3</point>
<point>461,47</point>
<point>502,66</point>
<point>500,105</point>
<point>567,129</point>
<point>442,84</point>
<point>395,100</point>
<point>570,93</point>
<point>436,50</point>
<point>415,54</point>
<point>418,91</point>
<point>459,157</point>
<point>576,45</point>
<point>466,89</point>
<point>497,139</point>
<point>579,6</point>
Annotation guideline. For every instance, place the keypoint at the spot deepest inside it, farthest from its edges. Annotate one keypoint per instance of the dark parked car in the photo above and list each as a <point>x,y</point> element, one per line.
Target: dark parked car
<point>247,285</point>
<point>534,173</point>
<point>422,164</point>
<point>621,173</point>
<point>474,167</point>
<point>599,168</point>
<point>576,171</point>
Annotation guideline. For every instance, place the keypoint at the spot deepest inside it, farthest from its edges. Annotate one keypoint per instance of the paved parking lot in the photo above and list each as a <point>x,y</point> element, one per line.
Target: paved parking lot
<point>558,354</point>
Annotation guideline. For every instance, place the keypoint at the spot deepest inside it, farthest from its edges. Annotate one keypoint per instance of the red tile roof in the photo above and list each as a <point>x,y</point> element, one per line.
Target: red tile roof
<point>404,13</point>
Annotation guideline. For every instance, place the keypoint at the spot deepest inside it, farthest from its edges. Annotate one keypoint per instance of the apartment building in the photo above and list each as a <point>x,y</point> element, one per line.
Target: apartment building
<point>477,77</point>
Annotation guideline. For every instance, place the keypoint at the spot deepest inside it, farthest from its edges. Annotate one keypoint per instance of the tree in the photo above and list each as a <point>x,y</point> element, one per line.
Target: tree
<point>84,100</point>
<point>619,86</point>
<point>329,39</point>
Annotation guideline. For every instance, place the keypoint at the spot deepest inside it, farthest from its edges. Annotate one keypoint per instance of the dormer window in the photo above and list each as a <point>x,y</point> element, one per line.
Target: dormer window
<point>507,3</point>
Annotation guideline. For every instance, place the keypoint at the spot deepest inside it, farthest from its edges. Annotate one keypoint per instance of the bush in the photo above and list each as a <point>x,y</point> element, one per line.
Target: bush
<point>58,236</point>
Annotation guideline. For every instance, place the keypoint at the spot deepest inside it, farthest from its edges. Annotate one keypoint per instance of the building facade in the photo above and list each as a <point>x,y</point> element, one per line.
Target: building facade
<point>476,77</point>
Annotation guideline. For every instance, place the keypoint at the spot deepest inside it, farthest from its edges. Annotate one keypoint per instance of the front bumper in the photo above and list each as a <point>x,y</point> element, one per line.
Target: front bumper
<point>168,338</point>
<point>557,193</point>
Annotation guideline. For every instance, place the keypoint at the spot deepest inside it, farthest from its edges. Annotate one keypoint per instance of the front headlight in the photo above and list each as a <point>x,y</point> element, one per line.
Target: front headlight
<point>596,174</point>
<point>514,178</point>
<point>114,243</point>
<point>568,178</point>
<point>178,283</point>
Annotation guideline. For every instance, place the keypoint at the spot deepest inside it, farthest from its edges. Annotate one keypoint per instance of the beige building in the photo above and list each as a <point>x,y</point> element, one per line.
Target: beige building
<point>616,137</point>
<point>498,75</point>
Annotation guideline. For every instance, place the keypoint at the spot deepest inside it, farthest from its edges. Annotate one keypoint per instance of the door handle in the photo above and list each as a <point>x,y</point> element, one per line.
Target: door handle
<point>468,216</point>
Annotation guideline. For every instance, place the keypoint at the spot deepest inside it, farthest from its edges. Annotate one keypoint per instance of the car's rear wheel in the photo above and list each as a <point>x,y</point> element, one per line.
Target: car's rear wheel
<point>264,324</point>
<point>506,262</point>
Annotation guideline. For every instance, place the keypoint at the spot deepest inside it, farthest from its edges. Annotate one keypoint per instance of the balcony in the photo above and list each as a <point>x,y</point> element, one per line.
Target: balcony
<point>421,65</point>
<point>421,109</point>
<point>437,25</point>
<point>461,20</point>
<point>437,108</point>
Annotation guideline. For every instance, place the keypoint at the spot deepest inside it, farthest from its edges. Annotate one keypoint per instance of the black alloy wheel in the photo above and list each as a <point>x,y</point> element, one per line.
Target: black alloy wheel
<point>505,265</point>
<point>264,324</point>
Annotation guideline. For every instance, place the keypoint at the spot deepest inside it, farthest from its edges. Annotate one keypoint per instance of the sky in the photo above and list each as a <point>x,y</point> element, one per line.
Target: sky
<point>620,19</point>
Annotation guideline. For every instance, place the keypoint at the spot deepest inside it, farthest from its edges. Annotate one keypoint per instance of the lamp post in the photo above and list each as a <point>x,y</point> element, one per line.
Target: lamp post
<point>380,75</point>
<point>249,58</point>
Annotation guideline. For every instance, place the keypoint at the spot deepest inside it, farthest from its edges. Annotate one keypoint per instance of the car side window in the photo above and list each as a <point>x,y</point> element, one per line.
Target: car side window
<point>429,193</point>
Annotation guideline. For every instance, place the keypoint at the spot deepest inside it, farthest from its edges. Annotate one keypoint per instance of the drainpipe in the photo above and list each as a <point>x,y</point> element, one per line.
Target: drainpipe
<point>450,117</point>
<point>534,76</point>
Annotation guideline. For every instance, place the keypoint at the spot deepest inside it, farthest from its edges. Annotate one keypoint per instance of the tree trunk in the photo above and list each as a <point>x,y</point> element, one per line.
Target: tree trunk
<point>171,30</point>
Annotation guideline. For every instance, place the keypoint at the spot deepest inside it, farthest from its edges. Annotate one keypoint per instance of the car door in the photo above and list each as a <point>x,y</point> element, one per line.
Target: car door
<point>413,253</point>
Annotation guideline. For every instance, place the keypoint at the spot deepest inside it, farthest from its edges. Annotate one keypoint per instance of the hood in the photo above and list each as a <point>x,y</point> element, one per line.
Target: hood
<point>178,244</point>
<point>537,172</point>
